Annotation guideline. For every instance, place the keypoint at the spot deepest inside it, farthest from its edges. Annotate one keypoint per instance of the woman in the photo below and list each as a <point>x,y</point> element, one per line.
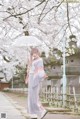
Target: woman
<point>35,75</point>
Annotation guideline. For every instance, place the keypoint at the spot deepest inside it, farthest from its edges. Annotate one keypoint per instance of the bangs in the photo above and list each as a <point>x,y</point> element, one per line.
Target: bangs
<point>35,51</point>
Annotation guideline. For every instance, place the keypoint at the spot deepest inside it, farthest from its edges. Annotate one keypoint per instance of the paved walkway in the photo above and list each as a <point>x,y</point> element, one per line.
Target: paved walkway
<point>8,108</point>
<point>15,111</point>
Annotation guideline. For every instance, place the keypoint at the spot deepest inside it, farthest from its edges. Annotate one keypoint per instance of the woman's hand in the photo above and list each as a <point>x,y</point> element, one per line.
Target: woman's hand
<point>46,76</point>
<point>26,80</point>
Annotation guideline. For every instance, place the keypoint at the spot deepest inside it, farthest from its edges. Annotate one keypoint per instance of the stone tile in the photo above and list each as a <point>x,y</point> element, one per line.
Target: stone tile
<point>6,107</point>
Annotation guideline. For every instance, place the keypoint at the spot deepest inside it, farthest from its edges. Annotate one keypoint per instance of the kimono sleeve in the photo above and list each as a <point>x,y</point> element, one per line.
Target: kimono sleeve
<point>41,72</point>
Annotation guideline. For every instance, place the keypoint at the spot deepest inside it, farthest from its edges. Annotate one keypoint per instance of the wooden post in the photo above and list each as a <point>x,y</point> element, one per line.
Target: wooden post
<point>75,100</point>
<point>57,91</point>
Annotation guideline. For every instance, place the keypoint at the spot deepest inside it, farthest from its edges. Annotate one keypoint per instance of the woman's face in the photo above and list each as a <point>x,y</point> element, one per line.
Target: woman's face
<point>35,56</point>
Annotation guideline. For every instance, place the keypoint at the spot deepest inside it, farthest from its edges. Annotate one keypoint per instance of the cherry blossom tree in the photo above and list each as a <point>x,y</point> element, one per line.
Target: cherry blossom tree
<point>48,20</point>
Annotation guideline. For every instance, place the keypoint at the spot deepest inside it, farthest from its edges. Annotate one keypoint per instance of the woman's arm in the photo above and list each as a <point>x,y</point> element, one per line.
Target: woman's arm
<point>29,64</point>
<point>28,69</point>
